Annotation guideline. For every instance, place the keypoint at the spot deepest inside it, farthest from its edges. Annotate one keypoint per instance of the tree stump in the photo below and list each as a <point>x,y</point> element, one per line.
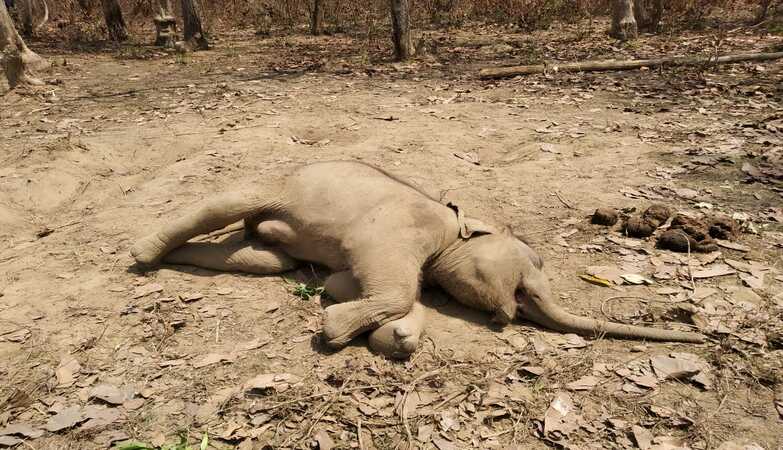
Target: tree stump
<point>165,31</point>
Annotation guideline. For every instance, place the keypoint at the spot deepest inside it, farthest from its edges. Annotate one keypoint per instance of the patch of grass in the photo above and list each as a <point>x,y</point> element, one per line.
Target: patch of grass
<point>182,58</point>
<point>306,291</point>
<point>183,444</point>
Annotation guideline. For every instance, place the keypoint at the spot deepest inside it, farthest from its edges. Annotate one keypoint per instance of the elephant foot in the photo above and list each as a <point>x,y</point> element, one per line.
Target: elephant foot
<point>148,250</point>
<point>400,338</point>
<point>345,321</point>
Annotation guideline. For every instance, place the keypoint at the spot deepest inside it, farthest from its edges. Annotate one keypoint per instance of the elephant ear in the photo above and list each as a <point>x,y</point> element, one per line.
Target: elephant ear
<point>469,227</point>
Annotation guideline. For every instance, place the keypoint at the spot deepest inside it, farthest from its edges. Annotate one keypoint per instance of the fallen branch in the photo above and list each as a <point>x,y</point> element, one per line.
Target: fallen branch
<point>594,66</point>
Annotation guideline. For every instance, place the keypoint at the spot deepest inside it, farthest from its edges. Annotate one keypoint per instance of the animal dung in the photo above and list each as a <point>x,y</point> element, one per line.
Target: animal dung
<point>645,225</point>
<point>638,227</point>
<point>678,240</point>
<point>723,227</point>
<point>691,234</point>
<point>604,216</point>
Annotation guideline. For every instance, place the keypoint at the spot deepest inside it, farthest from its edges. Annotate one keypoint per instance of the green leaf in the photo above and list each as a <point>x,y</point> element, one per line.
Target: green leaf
<point>204,442</point>
<point>132,445</point>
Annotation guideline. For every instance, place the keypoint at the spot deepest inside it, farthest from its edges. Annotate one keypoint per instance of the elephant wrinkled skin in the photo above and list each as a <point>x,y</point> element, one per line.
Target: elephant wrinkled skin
<point>382,238</point>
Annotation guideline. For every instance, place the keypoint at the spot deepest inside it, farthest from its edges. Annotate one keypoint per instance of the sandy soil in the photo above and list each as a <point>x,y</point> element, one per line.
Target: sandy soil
<point>130,136</point>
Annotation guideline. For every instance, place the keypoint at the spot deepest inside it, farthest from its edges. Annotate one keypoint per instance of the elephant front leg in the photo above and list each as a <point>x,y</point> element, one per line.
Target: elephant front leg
<point>395,339</point>
<point>400,338</point>
<point>389,290</point>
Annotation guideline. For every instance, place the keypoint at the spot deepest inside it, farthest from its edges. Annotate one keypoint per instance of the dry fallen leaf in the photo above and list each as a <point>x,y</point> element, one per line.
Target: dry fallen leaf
<point>21,429</point>
<point>147,289</point>
<point>560,418</point>
<point>717,270</point>
<point>740,445</point>
<point>9,441</point>
<point>190,297</point>
<point>681,366</point>
<point>110,394</point>
<point>99,417</point>
<point>214,358</point>
<point>67,372</point>
<point>66,418</point>
<point>267,381</point>
<point>610,273</point>
<point>583,384</point>
<point>254,344</point>
<point>642,436</point>
<point>443,444</point>
<point>323,440</point>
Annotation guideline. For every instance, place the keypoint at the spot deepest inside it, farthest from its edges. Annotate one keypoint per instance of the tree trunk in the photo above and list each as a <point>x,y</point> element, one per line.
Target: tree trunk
<point>401,31</point>
<point>623,21</point>
<point>263,17</point>
<point>648,14</point>
<point>165,25</point>
<point>115,24</point>
<point>317,17</point>
<point>191,18</point>
<point>17,60</point>
<point>25,11</point>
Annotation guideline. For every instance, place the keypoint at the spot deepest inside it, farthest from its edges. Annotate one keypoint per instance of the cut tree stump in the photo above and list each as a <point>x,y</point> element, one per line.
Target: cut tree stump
<point>611,64</point>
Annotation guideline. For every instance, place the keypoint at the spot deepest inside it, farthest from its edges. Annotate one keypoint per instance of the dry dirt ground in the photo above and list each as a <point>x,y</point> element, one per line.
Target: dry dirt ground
<point>94,352</point>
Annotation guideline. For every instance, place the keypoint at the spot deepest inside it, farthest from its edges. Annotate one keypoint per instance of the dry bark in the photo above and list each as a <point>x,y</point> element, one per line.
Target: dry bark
<point>193,28</point>
<point>25,10</point>
<point>115,24</point>
<point>317,17</point>
<point>623,20</point>
<point>18,61</point>
<point>648,14</point>
<point>595,66</point>
<point>401,32</point>
<point>165,25</point>
<point>263,17</point>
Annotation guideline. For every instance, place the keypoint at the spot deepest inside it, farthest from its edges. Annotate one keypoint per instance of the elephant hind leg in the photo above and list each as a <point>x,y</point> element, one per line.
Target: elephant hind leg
<point>243,256</point>
<point>213,215</point>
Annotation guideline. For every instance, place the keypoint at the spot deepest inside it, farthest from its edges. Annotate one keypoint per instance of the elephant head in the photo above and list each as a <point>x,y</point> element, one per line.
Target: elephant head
<point>495,271</point>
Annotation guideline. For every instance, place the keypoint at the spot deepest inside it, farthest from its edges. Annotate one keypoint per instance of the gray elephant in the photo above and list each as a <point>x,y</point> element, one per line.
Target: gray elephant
<point>383,238</point>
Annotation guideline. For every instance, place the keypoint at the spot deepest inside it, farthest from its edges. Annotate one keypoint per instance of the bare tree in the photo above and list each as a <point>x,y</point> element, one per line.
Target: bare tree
<point>648,14</point>
<point>32,15</point>
<point>401,30</point>
<point>18,61</point>
<point>623,20</point>
<point>262,13</point>
<point>165,24</point>
<point>115,24</point>
<point>316,17</point>
<point>191,18</point>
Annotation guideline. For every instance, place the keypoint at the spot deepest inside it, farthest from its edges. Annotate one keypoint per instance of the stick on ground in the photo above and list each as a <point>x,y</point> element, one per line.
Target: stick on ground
<point>630,64</point>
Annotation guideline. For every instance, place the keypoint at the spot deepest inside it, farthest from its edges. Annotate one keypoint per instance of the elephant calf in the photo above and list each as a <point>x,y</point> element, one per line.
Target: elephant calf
<point>382,238</point>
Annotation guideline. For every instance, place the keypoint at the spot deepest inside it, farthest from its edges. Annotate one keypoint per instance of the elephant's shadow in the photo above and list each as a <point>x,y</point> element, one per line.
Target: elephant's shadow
<point>313,275</point>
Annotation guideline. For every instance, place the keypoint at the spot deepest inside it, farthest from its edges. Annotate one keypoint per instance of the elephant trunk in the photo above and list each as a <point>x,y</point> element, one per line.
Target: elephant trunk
<point>544,311</point>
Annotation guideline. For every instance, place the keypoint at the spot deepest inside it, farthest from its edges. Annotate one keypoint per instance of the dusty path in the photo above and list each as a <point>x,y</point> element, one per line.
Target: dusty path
<point>83,173</point>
